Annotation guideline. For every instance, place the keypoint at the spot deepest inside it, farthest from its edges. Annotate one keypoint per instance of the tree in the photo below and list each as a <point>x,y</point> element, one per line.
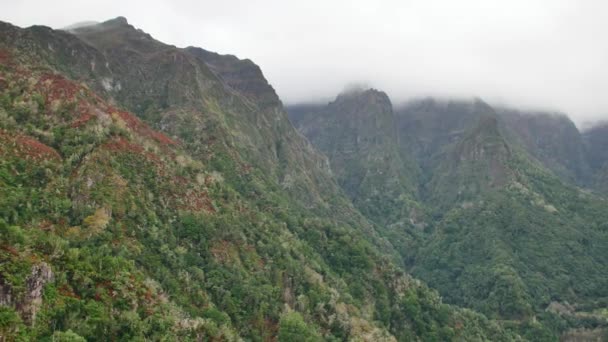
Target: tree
<point>292,328</point>
<point>67,336</point>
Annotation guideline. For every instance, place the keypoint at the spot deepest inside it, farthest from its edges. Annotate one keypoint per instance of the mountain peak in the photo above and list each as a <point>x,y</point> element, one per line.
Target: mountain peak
<point>116,33</point>
<point>362,97</point>
<point>120,20</point>
<point>79,27</point>
<point>360,90</point>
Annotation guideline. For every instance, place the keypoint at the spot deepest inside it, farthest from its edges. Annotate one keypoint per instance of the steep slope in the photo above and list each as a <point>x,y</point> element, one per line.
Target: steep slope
<point>476,163</point>
<point>505,235</point>
<point>111,229</point>
<point>426,126</point>
<point>511,238</point>
<point>209,100</point>
<point>596,144</point>
<point>553,139</point>
<point>243,76</point>
<point>358,134</point>
<point>299,112</point>
<point>75,216</point>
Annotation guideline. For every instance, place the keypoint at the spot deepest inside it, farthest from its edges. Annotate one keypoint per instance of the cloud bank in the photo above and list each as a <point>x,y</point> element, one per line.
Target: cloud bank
<point>550,54</point>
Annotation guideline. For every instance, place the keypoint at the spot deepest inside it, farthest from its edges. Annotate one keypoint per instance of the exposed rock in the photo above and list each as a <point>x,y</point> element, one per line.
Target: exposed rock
<point>30,304</point>
<point>6,297</point>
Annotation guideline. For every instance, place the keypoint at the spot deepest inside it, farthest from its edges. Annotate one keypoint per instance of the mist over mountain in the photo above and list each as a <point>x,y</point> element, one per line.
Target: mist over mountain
<point>152,191</point>
<point>483,203</point>
<point>539,55</point>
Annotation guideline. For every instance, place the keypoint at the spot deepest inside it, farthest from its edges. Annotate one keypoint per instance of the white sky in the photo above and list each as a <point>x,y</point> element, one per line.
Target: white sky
<point>529,53</point>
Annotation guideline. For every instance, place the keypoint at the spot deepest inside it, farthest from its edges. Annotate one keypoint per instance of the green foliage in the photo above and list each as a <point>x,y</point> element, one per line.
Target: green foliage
<point>490,227</point>
<point>236,230</point>
<point>11,235</point>
<point>293,328</point>
<point>11,324</point>
<point>67,336</point>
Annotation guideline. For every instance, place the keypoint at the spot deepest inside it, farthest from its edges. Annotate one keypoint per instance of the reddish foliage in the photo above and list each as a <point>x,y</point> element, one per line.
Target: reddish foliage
<point>11,250</point>
<point>196,201</point>
<point>5,57</point>
<point>46,225</point>
<point>138,126</point>
<point>81,120</point>
<point>85,115</point>
<point>180,180</point>
<point>35,149</point>
<point>57,87</point>
<point>271,327</point>
<point>161,138</point>
<point>64,290</point>
<point>107,285</point>
<point>131,121</point>
<point>121,144</point>
<point>154,158</point>
<point>27,147</point>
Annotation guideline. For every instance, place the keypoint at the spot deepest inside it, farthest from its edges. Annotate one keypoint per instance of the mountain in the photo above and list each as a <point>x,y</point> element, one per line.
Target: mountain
<point>151,192</point>
<point>596,141</point>
<point>427,125</point>
<point>477,163</point>
<point>358,133</point>
<point>208,100</point>
<point>553,139</point>
<point>507,232</point>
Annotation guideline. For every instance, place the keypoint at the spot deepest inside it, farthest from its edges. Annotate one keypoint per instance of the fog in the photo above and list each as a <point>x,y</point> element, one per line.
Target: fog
<point>547,54</point>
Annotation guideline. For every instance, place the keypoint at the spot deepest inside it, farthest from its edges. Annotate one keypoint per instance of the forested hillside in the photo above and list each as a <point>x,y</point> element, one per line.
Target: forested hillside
<point>499,222</point>
<point>149,192</point>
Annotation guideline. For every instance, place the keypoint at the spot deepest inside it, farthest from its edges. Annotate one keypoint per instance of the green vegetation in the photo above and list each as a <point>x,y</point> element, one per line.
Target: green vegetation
<point>149,192</point>
<point>488,225</point>
<point>225,226</point>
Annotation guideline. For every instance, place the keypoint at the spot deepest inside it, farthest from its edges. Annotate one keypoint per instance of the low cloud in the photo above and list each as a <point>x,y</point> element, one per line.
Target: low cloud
<point>547,54</point>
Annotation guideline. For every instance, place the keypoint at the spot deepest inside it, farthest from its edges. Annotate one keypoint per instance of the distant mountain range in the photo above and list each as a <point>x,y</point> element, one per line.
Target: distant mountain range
<point>501,210</point>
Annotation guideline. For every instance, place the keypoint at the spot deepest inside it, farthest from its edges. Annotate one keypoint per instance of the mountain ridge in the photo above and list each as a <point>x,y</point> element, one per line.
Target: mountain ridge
<point>501,210</point>
<point>181,210</point>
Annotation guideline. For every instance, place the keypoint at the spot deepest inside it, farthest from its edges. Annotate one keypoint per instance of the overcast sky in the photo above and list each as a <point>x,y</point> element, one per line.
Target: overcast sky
<point>531,53</point>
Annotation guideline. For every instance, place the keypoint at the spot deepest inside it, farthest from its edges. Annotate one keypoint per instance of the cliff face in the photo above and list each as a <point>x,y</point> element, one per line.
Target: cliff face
<point>427,126</point>
<point>242,76</point>
<point>29,302</point>
<point>596,145</point>
<point>553,139</point>
<point>358,133</point>
<point>497,189</point>
<point>478,163</point>
<point>207,100</point>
